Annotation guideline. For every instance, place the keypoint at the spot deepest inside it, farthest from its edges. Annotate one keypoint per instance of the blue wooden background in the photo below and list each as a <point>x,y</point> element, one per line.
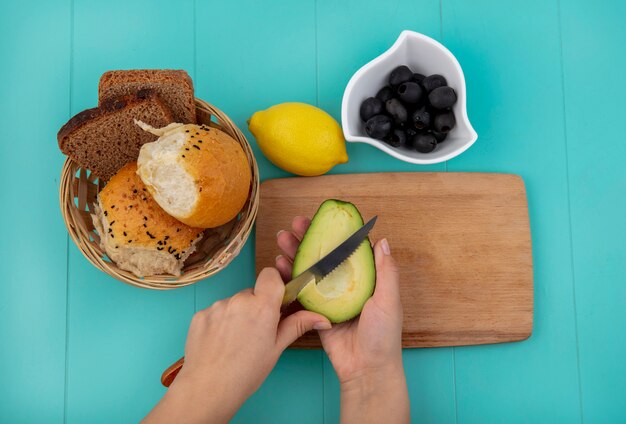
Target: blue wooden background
<point>546,91</point>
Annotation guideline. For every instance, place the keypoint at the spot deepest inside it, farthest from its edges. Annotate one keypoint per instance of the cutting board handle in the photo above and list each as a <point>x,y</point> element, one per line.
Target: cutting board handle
<point>170,374</point>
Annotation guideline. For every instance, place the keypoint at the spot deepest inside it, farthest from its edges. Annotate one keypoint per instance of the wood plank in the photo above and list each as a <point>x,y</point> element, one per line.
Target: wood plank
<point>121,337</point>
<point>509,52</point>
<point>461,241</point>
<point>265,58</point>
<point>34,82</point>
<point>350,33</point>
<point>250,56</point>
<point>430,380</point>
<point>593,36</point>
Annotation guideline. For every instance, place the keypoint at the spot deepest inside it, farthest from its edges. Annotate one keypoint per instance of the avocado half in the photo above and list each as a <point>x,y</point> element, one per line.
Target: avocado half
<point>340,296</point>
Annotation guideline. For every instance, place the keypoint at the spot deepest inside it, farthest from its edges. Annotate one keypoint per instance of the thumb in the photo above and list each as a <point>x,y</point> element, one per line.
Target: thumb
<point>295,325</point>
<point>387,276</point>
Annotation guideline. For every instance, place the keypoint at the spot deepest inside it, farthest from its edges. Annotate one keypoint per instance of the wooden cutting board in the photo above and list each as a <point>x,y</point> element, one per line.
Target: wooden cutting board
<point>462,242</point>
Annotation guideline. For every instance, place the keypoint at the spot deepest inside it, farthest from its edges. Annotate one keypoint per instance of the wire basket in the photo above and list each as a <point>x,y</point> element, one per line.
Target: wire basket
<point>218,247</point>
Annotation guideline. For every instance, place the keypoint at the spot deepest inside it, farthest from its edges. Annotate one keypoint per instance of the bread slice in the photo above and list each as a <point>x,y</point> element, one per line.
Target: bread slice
<point>136,233</point>
<point>173,86</point>
<point>104,139</point>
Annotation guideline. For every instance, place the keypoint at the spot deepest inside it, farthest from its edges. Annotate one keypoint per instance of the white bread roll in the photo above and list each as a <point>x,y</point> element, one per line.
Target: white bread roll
<point>136,233</point>
<point>197,174</point>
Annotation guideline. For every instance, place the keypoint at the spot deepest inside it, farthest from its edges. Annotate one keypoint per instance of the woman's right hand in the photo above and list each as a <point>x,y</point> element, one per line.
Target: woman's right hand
<point>366,352</point>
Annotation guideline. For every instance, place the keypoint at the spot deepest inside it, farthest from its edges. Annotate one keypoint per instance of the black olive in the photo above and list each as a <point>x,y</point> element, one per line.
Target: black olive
<point>378,126</point>
<point>418,78</point>
<point>440,137</point>
<point>396,109</point>
<point>444,122</point>
<point>410,92</point>
<point>434,81</point>
<point>399,75</point>
<point>421,118</point>
<point>397,138</point>
<point>370,107</point>
<point>385,93</point>
<point>442,97</point>
<point>424,143</point>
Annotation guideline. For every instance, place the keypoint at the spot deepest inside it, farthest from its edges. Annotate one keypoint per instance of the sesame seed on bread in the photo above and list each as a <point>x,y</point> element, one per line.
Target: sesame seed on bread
<point>105,138</point>
<point>174,87</point>
<point>136,233</point>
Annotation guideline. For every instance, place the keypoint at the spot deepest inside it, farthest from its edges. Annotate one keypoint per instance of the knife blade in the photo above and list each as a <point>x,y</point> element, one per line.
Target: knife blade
<point>327,264</point>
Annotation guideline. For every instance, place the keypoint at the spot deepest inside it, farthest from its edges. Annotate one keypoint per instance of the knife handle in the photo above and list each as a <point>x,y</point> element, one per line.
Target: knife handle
<point>170,374</point>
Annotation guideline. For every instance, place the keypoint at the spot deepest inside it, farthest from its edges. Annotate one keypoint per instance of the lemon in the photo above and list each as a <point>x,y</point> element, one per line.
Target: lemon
<point>299,138</point>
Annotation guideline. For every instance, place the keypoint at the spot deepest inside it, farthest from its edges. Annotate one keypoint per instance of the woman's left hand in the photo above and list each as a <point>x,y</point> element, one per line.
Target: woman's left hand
<point>231,348</point>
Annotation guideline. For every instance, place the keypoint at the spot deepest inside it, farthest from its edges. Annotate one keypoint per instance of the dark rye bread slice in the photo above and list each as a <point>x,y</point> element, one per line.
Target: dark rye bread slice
<point>106,138</point>
<point>174,87</point>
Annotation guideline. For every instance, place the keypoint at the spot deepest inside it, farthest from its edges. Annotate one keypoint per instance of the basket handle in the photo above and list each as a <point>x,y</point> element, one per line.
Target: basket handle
<point>171,372</point>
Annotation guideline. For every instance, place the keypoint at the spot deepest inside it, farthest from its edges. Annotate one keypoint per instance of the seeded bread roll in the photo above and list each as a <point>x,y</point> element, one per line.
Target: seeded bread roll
<point>136,233</point>
<point>199,175</point>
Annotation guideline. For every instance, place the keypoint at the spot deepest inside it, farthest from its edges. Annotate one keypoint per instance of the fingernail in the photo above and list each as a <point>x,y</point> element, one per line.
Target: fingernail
<point>385,245</point>
<point>278,233</point>
<point>322,325</point>
<point>277,258</point>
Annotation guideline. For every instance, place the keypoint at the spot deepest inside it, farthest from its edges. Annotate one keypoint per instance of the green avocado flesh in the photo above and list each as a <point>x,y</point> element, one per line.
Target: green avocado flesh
<point>341,295</point>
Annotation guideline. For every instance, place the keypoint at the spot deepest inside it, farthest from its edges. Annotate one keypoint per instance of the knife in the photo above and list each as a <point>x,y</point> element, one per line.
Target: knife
<point>316,273</point>
<point>327,264</point>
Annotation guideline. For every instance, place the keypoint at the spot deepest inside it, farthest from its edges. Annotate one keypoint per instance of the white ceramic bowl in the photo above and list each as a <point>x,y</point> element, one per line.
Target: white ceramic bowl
<point>425,56</point>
